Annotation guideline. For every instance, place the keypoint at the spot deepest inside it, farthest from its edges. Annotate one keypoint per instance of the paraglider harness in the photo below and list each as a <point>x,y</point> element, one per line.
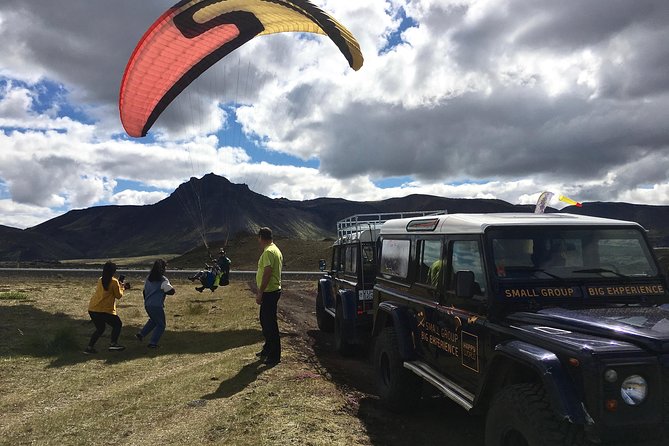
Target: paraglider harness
<point>214,275</point>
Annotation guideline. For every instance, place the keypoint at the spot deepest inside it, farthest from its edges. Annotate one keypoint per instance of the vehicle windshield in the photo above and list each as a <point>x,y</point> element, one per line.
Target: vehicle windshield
<point>570,253</point>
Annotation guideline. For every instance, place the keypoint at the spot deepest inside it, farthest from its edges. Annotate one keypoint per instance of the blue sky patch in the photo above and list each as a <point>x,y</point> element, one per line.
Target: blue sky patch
<point>395,37</point>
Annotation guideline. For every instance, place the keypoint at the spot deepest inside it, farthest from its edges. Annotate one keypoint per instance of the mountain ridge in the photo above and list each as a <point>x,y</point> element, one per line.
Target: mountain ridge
<point>214,209</point>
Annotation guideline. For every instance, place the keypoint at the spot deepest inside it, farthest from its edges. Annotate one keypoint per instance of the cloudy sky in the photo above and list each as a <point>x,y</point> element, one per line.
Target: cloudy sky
<point>459,98</point>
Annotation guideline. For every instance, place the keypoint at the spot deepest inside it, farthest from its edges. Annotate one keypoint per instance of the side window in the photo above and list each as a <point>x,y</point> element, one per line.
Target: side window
<point>351,259</point>
<point>395,258</point>
<point>337,263</point>
<point>466,256</point>
<point>368,259</point>
<point>430,262</point>
<point>346,258</point>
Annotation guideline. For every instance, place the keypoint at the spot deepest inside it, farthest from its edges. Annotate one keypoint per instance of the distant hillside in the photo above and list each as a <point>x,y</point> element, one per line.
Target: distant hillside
<point>227,211</point>
<point>18,246</point>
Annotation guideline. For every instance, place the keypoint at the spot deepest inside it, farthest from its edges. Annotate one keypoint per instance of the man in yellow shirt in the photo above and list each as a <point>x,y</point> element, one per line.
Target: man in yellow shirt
<point>268,280</point>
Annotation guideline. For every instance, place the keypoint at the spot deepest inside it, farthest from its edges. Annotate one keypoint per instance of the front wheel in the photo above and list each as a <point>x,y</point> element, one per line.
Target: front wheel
<point>323,319</point>
<point>521,415</point>
<point>398,387</point>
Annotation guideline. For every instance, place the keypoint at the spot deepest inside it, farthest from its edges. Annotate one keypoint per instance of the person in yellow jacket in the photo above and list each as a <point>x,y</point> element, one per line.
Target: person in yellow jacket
<point>102,308</point>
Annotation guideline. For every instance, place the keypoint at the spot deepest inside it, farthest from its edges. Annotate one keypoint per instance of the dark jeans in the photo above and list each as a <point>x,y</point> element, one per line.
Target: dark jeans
<point>270,327</point>
<point>156,323</point>
<point>101,320</point>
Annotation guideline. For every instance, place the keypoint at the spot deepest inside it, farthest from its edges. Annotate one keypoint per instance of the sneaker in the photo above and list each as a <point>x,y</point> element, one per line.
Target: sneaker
<point>152,345</point>
<point>139,337</point>
<point>90,351</point>
<point>199,289</point>
<point>116,348</point>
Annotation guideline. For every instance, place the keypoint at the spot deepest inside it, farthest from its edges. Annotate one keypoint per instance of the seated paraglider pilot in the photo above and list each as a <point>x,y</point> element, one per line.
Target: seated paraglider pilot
<point>208,277</point>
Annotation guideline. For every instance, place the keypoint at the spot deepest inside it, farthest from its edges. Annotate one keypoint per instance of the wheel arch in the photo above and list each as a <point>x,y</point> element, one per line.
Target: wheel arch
<point>518,362</point>
<point>325,288</point>
<point>391,315</point>
<point>348,300</point>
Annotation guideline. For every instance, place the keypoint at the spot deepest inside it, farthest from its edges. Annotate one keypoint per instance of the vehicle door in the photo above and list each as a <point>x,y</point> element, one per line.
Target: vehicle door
<point>347,279</point>
<point>366,277</point>
<point>336,271</point>
<point>427,290</point>
<point>460,317</point>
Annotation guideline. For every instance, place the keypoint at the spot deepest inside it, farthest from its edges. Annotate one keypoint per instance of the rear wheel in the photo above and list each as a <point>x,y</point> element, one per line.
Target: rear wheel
<point>323,319</point>
<point>341,343</point>
<point>398,387</point>
<point>522,415</point>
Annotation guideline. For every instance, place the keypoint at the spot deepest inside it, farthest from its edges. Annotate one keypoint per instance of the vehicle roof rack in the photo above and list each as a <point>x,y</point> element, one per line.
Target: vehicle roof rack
<point>354,225</point>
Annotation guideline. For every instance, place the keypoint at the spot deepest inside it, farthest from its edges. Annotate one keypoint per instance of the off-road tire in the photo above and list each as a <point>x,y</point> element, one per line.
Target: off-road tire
<point>522,415</point>
<point>342,346</point>
<point>399,388</point>
<point>323,319</point>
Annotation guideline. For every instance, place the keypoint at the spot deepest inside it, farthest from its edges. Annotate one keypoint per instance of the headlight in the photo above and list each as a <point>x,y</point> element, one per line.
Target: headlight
<point>634,390</point>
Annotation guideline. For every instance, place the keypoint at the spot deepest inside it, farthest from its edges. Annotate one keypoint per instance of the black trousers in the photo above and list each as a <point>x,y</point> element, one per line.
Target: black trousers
<point>101,320</point>
<point>270,326</point>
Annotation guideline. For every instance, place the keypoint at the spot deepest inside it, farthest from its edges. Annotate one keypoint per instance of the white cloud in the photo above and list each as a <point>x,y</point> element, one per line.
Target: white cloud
<point>22,216</point>
<point>483,99</point>
<point>137,198</point>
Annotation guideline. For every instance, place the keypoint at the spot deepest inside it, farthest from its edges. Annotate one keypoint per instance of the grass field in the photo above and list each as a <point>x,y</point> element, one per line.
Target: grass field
<point>142,261</point>
<point>203,386</point>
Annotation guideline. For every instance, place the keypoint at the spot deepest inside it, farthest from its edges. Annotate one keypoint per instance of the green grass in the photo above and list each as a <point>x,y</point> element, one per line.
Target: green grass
<point>195,310</point>
<point>62,340</point>
<point>203,386</point>
<point>13,295</point>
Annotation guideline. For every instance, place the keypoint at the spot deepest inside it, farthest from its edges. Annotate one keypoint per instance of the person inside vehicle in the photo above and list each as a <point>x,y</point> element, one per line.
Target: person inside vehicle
<point>549,253</point>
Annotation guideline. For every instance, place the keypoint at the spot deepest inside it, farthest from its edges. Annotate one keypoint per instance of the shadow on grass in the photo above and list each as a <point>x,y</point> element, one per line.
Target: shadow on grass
<point>28,331</point>
<point>239,382</point>
<point>434,419</point>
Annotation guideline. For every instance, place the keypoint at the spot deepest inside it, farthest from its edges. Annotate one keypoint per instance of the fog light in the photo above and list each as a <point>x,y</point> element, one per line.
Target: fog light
<point>611,376</point>
<point>634,390</point>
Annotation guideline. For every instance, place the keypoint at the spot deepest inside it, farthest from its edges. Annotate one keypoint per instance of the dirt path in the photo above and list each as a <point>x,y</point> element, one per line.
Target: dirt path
<point>437,421</point>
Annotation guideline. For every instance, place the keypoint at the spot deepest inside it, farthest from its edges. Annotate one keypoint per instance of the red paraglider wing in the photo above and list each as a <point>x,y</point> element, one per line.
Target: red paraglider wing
<point>195,34</point>
<point>165,62</point>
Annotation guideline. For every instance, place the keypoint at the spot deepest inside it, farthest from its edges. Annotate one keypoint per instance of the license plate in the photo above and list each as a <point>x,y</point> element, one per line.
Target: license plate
<point>366,295</point>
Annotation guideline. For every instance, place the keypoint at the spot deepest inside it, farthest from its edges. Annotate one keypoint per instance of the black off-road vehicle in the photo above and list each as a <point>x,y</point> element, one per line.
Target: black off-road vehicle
<point>555,327</point>
<point>344,300</point>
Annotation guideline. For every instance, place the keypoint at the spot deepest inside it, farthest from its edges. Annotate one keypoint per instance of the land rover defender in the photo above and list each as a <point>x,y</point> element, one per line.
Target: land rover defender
<point>344,299</point>
<point>553,326</point>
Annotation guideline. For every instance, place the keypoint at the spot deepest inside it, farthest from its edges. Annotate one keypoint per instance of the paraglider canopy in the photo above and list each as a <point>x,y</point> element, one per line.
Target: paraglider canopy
<point>193,35</point>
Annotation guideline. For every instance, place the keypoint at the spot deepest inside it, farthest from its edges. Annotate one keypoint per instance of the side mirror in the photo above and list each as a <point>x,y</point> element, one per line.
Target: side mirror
<point>322,265</point>
<point>464,284</point>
